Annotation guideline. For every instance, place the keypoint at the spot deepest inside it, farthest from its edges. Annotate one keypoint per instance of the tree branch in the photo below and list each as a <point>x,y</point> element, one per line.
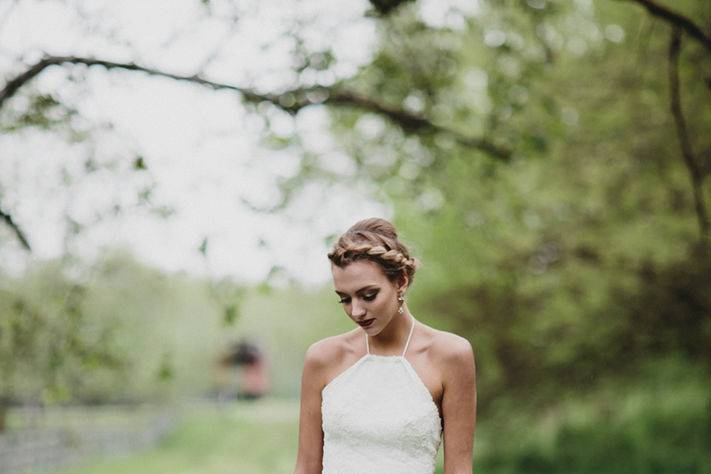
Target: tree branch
<point>385,7</point>
<point>413,123</point>
<point>290,101</point>
<point>692,166</point>
<point>16,229</point>
<point>676,19</point>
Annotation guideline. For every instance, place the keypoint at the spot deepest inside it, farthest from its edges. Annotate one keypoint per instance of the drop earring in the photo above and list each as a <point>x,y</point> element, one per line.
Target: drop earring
<point>401,299</point>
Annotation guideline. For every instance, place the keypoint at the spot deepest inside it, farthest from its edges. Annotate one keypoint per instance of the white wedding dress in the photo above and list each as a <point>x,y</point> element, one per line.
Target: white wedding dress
<point>379,418</point>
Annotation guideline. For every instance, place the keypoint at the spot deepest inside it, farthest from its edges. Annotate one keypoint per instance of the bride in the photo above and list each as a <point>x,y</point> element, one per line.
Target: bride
<point>380,398</point>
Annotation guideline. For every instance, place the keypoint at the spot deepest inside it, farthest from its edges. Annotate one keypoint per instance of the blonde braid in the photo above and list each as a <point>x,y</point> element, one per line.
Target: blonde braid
<point>376,240</point>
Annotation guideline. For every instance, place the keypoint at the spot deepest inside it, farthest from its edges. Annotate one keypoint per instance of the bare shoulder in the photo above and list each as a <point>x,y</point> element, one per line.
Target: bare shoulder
<point>451,348</point>
<point>320,352</point>
<point>326,354</point>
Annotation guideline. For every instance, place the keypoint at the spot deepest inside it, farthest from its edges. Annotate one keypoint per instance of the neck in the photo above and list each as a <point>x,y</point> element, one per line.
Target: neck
<point>392,338</point>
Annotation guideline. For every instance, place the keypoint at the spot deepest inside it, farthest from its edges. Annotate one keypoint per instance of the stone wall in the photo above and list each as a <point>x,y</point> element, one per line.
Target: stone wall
<point>46,448</point>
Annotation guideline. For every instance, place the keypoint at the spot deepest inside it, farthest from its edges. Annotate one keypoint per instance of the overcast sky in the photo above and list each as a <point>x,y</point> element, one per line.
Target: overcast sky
<point>200,146</point>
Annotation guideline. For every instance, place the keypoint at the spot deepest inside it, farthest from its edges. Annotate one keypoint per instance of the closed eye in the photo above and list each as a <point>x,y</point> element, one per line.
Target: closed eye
<point>368,297</point>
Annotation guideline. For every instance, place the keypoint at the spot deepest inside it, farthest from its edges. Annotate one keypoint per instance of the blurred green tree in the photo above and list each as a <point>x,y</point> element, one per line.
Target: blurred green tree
<point>117,332</point>
<point>548,158</point>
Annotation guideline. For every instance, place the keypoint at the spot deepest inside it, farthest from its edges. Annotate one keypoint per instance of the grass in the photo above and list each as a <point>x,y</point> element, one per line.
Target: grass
<point>258,437</point>
<point>240,437</point>
<point>658,425</point>
<point>639,428</point>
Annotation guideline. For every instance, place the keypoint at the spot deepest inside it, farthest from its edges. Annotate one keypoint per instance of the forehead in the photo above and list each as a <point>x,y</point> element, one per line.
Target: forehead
<point>357,275</point>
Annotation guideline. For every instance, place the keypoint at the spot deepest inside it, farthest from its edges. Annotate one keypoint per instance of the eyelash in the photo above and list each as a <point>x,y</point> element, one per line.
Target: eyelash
<point>369,297</point>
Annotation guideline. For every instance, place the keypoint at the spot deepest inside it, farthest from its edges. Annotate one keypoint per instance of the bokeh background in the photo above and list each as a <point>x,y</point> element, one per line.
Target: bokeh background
<point>172,174</point>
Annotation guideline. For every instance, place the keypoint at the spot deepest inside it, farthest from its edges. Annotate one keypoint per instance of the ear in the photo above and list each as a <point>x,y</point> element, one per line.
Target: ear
<point>403,283</point>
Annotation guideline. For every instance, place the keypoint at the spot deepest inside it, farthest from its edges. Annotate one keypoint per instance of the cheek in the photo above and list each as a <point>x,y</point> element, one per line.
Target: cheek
<point>383,302</point>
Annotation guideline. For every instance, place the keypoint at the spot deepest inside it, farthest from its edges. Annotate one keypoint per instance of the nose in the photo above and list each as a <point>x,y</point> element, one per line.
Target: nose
<point>357,310</point>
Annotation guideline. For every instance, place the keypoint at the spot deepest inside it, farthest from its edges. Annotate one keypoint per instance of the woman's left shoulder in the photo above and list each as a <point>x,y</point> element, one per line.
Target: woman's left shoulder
<point>450,348</point>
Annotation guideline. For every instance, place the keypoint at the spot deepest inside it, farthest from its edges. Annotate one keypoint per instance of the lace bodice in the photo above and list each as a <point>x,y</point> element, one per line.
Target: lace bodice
<point>379,418</point>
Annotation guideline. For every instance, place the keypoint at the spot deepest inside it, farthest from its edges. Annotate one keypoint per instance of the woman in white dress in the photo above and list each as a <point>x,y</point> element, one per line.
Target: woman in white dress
<point>380,398</point>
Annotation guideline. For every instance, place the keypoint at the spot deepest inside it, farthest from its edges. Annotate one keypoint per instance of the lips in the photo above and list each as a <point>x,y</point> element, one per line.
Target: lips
<point>366,323</point>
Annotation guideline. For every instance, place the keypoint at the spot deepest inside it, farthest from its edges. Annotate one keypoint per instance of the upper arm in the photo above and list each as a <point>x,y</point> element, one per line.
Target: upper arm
<point>459,406</point>
<point>310,454</point>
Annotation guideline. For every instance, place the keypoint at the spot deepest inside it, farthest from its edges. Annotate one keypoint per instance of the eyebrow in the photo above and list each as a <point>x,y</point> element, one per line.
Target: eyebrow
<point>357,291</point>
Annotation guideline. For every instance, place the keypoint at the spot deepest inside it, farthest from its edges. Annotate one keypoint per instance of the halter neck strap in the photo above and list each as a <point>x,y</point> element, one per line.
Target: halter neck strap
<point>409,336</point>
<point>407,343</point>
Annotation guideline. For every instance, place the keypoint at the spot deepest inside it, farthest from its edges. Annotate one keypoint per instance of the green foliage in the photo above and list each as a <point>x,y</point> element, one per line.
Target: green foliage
<point>41,111</point>
<point>46,340</point>
<point>658,422</point>
<point>580,257</point>
<point>574,266</point>
<point>231,314</point>
<point>140,163</point>
<point>119,331</point>
<point>285,321</point>
<point>168,326</point>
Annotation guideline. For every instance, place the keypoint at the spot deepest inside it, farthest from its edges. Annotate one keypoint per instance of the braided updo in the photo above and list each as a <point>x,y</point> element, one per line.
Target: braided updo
<point>375,239</point>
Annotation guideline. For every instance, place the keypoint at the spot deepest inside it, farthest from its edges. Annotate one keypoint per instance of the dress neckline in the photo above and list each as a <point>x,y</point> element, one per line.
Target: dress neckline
<point>406,363</point>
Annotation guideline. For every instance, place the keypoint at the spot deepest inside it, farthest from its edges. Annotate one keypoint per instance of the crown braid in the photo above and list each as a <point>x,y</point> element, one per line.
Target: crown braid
<point>375,239</point>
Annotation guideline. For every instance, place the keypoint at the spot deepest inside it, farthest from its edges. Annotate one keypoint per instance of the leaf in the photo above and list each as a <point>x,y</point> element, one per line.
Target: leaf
<point>203,247</point>
<point>231,314</point>
<point>139,163</point>
<point>166,371</point>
